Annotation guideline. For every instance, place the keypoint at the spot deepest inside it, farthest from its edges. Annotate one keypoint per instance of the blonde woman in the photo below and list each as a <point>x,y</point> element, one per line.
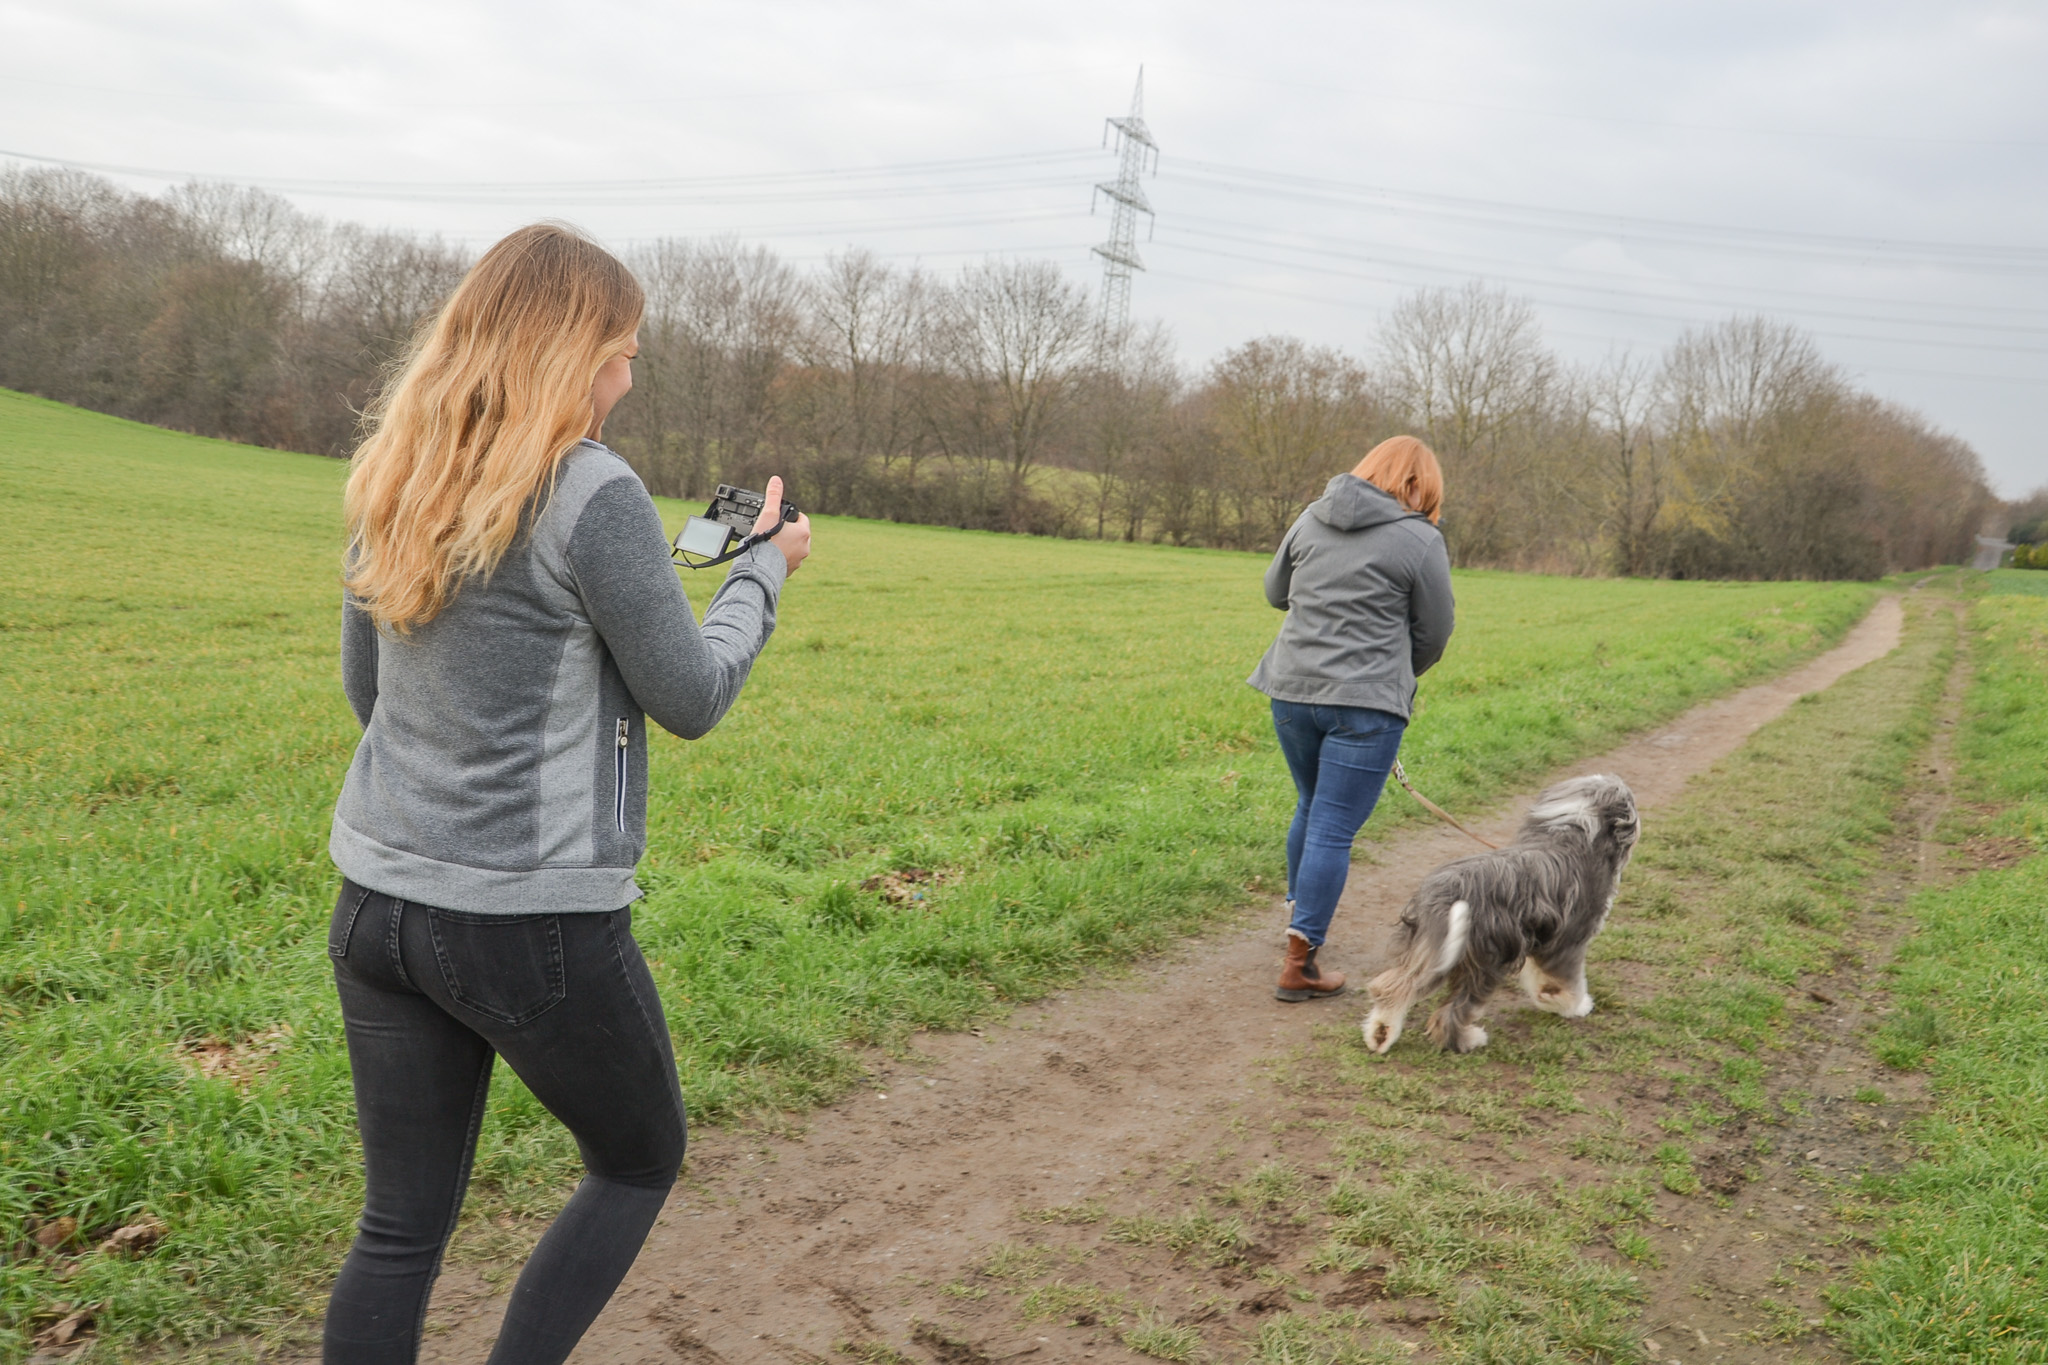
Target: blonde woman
<point>510,621</point>
<point>1365,581</point>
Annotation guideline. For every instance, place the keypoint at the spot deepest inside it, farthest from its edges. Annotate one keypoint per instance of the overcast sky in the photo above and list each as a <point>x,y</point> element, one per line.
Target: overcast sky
<point>1876,172</point>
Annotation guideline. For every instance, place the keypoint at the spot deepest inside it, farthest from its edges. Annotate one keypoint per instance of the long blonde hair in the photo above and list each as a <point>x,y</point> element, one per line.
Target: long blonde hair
<point>470,432</point>
<point>1405,467</point>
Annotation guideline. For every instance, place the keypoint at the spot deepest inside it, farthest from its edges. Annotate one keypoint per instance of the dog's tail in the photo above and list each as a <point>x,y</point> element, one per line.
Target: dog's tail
<point>1433,939</point>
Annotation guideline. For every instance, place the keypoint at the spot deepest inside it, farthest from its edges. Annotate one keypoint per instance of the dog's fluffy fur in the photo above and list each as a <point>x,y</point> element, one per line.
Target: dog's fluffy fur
<point>1534,905</point>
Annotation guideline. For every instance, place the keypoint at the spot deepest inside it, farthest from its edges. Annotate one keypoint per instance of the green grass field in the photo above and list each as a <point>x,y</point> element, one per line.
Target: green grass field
<point>1058,729</point>
<point>1964,1274</point>
<point>2030,581</point>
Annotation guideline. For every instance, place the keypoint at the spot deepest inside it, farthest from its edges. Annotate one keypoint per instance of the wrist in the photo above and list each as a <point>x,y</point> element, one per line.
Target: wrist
<point>778,565</point>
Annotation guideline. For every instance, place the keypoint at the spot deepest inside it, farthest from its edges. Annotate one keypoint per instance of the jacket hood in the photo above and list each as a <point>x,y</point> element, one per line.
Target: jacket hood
<point>1352,504</point>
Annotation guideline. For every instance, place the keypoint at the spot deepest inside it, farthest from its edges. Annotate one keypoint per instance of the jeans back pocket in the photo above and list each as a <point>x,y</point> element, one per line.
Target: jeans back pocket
<point>504,967</point>
<point>347,907</point>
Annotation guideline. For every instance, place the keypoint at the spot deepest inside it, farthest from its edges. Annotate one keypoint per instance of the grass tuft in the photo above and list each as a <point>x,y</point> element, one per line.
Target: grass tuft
<point>1080,1305</point>
<point>1152,1336</point>
<point>1345,1337</point>
<point>1197,1234</point>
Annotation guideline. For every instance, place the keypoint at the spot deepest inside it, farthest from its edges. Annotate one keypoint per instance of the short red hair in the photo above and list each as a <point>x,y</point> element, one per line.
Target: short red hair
<point>1406,468</point>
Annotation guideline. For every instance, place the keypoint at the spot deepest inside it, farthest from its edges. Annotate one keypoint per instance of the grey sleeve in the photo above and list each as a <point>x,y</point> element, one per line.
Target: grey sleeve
<point>358,659</point>
<point>1431,614</point>
<point>685,677</point>
<point>1280,573</point>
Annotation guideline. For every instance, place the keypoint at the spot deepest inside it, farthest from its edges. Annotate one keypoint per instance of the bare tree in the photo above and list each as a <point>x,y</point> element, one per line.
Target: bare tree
<point>1181,478</point>
<point>53,230</point>
<point>1128,406</point>
<point>857,346</point>
<point>1928,498</point>
<point>1018,332</point>
<point>1743,381</point>
<point>240,223</point>
<point>1751,413</point>
<point>1286,416</point>
<point>1624,460</point>
<point>720,327</point>
<point>1469,369</point>
<point>377,289</point>
<point>213,353</point>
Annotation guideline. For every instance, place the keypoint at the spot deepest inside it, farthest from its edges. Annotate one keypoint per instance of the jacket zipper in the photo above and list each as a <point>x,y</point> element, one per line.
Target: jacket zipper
<point>619,776</point>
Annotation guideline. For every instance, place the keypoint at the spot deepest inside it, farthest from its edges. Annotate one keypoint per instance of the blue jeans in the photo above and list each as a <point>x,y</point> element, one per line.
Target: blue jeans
<point>1340,757</point>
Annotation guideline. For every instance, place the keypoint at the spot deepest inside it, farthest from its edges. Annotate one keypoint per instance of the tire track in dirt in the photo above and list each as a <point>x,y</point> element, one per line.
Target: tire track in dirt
<point>779,1248</point>
<point>1720,1262</point>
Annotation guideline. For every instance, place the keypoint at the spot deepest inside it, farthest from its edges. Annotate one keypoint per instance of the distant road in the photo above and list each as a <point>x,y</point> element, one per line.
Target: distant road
<point>1989,551</point>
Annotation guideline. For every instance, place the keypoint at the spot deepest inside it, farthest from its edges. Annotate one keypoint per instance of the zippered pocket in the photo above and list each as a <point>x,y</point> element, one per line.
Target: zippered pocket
<point>624,733</point>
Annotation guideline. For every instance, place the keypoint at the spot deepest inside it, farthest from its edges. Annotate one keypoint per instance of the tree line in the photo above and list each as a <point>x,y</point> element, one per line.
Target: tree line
<point>986,398</point>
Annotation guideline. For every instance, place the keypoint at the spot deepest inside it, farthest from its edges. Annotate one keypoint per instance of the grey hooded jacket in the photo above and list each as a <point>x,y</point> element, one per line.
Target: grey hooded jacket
<point>1366,585</point>
<point>503,764</point>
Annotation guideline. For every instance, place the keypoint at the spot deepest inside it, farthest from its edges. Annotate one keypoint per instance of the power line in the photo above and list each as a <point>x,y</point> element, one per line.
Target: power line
<point>1000,174</point>
<point>685,198</point>
<point>773,231</point>
<point>1326,300</point>
<point>1618,312</point>
<point>768,187</point>
<point>845,181</point>
<point>1390,254</point>
<point>610,100</point>
<point>1402,98</point>
<point>1625,120</point>
<point>1495,212</point>
<point>1594,289</point>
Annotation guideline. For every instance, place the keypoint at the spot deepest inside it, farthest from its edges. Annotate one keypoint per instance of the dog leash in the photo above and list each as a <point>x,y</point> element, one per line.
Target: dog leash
<point>1401,776</point>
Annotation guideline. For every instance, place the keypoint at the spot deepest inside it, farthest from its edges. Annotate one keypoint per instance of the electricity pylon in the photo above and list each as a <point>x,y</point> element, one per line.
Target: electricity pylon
<point>1135,151</point>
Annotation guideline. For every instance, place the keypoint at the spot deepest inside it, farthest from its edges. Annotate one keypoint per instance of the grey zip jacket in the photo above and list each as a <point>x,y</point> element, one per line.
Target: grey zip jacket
<point>1366,585</point>
<point>503,764</point>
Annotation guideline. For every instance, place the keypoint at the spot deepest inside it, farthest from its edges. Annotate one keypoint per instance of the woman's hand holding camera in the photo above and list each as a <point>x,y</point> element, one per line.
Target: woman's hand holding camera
<point>794,539</point>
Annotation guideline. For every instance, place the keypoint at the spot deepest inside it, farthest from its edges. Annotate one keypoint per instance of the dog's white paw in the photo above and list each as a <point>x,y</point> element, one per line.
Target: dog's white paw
<point>1558,997</point>
<point>1381,1032</point>
<point>1546,992</point>
<point>1471,1038</point>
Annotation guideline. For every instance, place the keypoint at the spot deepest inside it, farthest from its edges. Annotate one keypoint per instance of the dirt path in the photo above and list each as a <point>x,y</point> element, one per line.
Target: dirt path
<point>785,1248</point>
<point>1720,1260</point>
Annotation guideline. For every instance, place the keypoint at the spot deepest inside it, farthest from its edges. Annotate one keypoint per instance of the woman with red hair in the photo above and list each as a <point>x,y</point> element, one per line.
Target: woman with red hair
<point>1365,581</point>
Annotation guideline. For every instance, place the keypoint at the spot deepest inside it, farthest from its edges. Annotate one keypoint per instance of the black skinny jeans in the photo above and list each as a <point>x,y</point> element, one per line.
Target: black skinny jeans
<point>429,998</point>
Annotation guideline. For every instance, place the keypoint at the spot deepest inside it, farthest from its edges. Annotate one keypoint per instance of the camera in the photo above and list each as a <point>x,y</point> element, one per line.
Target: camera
<point>731,515</point>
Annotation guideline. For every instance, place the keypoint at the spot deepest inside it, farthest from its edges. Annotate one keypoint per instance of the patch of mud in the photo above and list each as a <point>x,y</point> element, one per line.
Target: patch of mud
<point>240,1061</point>
<point>867,1227</point>
<point>1993,851</point>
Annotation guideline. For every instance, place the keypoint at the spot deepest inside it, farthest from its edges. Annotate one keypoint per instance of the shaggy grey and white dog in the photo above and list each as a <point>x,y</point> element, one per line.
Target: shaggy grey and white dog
<point>1534,905</point>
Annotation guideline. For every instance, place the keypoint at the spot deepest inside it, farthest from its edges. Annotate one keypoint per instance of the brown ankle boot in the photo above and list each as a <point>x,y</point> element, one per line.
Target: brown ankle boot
<point>1301,979</point>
